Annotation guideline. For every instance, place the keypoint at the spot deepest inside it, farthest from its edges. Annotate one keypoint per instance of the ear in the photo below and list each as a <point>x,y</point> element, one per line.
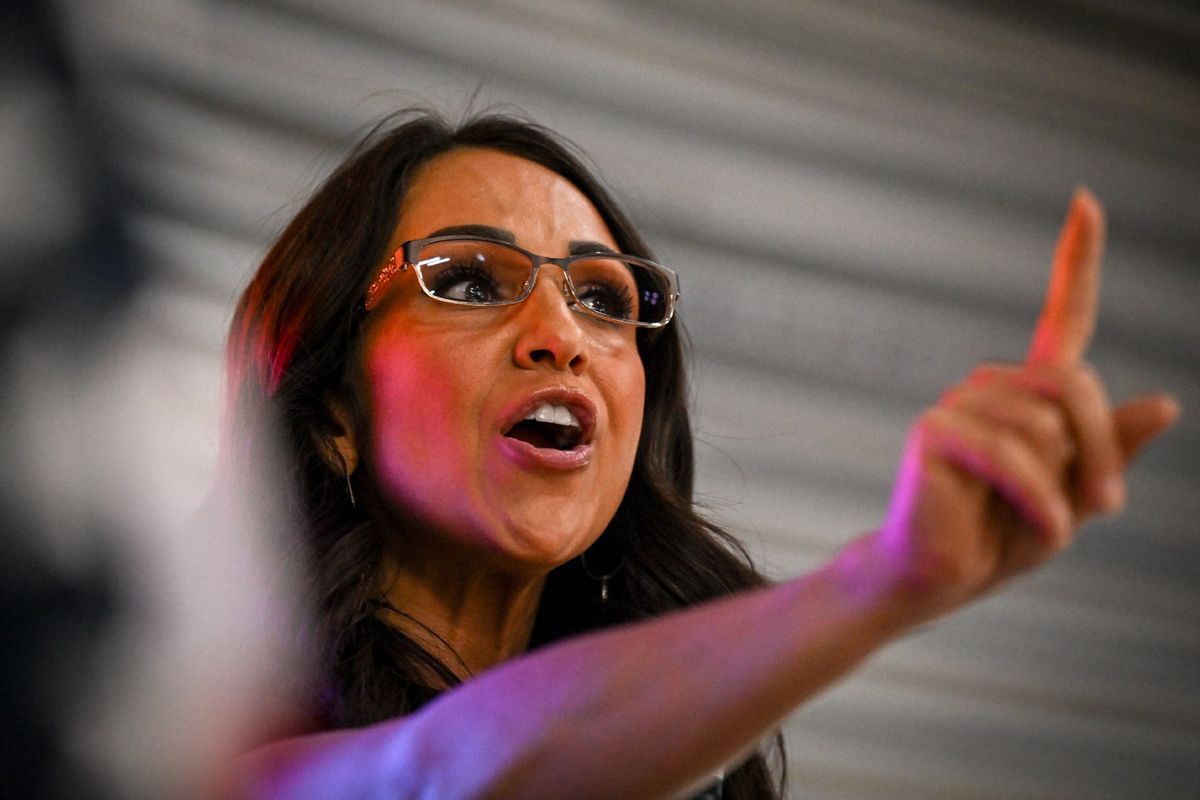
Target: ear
<point>341,440</point>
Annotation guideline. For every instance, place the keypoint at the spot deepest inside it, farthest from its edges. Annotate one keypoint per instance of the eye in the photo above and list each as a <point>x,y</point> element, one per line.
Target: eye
<point>609,299</point>
<point>466,283</point>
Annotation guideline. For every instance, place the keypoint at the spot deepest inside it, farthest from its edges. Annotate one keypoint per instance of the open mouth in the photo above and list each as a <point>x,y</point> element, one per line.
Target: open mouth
<point>548,426</point>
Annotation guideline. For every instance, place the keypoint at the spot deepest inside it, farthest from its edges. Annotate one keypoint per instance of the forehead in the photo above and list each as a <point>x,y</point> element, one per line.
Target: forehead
<point>476,186</point>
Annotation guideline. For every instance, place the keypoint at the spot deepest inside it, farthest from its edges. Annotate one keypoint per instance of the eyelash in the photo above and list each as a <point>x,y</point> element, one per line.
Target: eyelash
<point>621,299</point>
<point>460,273</point>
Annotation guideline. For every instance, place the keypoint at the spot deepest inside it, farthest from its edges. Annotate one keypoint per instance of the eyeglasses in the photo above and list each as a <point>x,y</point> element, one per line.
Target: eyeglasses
<point>475,271</point>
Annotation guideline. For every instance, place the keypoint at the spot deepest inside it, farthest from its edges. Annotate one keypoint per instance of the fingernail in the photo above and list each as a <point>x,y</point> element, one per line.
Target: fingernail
<point>1082,194</point>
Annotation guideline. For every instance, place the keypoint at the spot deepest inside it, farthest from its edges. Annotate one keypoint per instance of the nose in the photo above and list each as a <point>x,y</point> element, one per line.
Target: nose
<point>549,333</point>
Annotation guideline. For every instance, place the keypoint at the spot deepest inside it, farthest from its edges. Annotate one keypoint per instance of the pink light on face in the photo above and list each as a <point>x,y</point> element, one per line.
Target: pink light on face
<point>441,382</point>
<point>427,424</point>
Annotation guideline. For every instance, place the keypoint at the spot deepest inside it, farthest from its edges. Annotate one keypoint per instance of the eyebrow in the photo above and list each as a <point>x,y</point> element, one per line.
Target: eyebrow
<point>486,231</point>
<point>575,247</point>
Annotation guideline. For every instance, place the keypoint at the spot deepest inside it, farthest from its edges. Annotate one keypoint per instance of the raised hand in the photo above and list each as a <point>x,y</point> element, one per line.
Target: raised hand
<point>997,476</point>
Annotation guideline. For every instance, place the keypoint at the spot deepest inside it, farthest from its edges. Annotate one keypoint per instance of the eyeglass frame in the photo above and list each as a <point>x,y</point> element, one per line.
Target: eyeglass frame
<point>407,250</point>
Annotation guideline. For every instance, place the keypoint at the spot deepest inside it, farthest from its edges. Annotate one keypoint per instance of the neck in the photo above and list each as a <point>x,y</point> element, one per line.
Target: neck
<point>470,618</point>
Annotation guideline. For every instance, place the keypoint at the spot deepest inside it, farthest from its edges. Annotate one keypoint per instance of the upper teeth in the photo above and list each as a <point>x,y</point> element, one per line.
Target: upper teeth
<point>556,415</point>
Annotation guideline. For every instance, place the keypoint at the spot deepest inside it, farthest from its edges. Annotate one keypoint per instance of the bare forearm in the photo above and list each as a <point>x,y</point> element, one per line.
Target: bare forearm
<point>638,711</point>
<point>646,710</point>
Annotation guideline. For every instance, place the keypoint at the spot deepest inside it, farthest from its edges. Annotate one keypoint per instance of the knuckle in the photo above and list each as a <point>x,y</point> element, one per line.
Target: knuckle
<point>1006,449</point>
<point>928,425</point>
<point>988,372</point>
<point>934,418</point>
<point>1049,424</point>
<point>960,396</point>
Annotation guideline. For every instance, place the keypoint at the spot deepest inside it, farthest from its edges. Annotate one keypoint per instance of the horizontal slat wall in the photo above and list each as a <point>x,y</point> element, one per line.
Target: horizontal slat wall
<point>861,198</point>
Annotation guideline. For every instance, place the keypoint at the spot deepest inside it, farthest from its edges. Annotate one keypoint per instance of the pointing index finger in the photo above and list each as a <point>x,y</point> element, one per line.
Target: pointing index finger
<point>1069,314</point>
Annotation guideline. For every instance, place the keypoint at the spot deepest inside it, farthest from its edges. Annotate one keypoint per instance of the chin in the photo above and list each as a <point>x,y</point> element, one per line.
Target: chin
<point>541,544</point>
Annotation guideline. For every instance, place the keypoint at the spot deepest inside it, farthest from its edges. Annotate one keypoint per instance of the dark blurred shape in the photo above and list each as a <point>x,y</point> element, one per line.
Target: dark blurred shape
<point>66,262</point>
<point>52,627</point>
<point>65,271</point>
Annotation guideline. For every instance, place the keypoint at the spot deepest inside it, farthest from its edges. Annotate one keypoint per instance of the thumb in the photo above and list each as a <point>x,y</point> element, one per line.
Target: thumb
<point>1142,419</point>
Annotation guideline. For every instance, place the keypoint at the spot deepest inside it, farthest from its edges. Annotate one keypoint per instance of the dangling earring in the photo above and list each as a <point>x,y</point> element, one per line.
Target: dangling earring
<point>350,490</point>
<point>602,578</point>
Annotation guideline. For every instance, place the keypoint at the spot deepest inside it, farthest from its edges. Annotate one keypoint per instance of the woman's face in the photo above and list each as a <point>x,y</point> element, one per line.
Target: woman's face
<point>448,386</point>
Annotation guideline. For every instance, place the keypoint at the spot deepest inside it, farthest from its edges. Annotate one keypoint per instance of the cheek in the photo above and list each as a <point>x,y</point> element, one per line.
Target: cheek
<point>627,392</point>
<point>417,416</point>
<point>636,400</point>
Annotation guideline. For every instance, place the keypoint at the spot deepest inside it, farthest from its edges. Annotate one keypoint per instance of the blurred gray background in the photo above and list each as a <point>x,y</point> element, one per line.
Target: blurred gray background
<point>861,198</point>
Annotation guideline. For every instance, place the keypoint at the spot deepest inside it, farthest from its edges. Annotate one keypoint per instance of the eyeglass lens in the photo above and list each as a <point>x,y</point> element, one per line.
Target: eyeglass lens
<point>490,273</point>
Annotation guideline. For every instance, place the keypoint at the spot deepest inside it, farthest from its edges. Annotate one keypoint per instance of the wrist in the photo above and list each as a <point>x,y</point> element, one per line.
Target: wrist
<point>874,580</point>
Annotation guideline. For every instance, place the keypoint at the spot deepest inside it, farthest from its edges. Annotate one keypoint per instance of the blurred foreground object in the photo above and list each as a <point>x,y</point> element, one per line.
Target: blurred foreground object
<point>138,642</point>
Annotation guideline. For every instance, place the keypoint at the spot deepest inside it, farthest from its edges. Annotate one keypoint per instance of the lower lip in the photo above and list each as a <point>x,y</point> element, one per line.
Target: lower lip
<point>527,455</point>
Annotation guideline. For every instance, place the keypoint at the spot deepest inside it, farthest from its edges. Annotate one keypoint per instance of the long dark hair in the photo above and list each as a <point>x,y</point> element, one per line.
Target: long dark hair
<point>291,347</point>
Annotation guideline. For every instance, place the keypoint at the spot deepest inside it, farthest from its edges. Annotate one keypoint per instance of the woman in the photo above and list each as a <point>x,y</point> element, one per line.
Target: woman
<point>470,356</point>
